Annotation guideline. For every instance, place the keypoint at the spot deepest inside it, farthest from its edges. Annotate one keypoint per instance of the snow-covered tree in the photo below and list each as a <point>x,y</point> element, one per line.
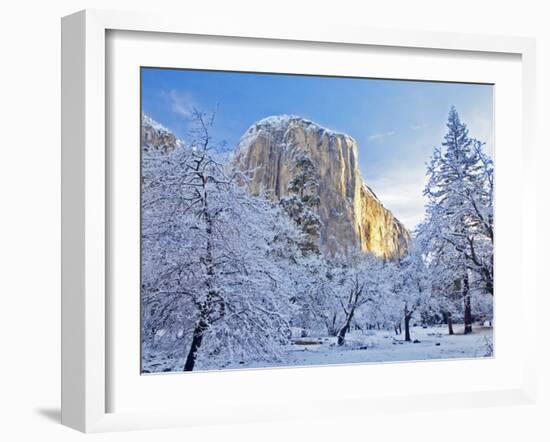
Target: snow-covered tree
<point>443,263</point>
<point>324,300</point>
<point>411,290</point>
<point>458,230</point>
<point>356,286</point>
<point>215,285</point>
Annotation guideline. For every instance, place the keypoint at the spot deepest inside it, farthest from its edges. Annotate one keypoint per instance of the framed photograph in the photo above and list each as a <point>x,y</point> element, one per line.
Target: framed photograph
<point>285,222</point>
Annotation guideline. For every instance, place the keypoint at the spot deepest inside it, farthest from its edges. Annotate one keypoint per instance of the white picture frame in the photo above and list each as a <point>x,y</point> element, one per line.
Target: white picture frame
<point>86,201</point>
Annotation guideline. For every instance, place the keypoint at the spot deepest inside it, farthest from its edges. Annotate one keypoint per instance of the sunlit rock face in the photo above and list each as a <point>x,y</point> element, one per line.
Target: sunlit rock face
<point>351,214</point>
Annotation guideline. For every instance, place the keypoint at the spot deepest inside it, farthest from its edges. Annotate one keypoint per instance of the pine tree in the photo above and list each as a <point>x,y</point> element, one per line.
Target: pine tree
<point>303,201</point>
<point>459,224</point>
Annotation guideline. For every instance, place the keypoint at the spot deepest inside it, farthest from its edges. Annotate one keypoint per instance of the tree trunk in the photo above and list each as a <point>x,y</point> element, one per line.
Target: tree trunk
<point>450,323</point>
<point>490,287</point>
<point>342,334</point>
<point>196,342</point>
<point>407,328</point>
<point>202,324</point>
<point>467,305</point>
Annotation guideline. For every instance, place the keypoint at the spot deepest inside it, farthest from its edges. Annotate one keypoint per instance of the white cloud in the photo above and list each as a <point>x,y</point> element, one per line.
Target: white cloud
<point>418,126</point>
<point>180,102</point>
<point>400,190</point>
<point>380,136</point>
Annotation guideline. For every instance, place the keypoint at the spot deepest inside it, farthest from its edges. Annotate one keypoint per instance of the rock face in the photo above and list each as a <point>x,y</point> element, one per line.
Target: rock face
<point>351,214</point>
<point>154,136</point>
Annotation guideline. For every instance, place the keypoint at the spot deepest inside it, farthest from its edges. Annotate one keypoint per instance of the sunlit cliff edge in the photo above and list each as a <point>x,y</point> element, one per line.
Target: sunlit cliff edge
<point>352,215</point>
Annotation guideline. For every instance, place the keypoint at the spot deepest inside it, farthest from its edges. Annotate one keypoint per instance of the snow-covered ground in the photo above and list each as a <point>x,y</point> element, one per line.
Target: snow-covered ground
<point>375,346</point>
<point>385,346</point>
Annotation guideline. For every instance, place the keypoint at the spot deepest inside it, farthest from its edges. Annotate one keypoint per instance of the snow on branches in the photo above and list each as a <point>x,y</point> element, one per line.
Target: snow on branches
<point>215,289</point>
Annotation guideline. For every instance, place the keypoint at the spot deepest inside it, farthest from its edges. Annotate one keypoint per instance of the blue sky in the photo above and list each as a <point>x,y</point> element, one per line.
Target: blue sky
<point>396,123</point>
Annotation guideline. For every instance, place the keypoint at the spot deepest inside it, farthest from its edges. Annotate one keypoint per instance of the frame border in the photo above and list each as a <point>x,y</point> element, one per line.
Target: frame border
<point>84,200</point>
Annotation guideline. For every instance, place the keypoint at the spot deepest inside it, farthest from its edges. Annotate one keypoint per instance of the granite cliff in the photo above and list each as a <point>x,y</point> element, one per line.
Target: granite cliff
<point>155,137</point>
<point>352,216</point>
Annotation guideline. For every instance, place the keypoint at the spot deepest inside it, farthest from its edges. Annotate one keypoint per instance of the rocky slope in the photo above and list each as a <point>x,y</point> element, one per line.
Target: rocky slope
<point>351,214</point>
<point>155,136</point>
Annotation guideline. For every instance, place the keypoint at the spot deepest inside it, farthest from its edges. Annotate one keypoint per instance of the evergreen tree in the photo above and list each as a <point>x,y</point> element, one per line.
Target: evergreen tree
<point>458,230</point>
<point>303,201</point>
